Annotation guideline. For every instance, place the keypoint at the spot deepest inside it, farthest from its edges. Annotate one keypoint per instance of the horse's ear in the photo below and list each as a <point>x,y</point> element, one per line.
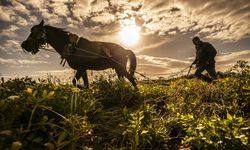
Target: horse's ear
<point>41,23</point>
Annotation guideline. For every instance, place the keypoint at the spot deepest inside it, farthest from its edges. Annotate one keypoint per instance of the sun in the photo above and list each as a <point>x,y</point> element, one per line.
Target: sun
<point>130,32</point>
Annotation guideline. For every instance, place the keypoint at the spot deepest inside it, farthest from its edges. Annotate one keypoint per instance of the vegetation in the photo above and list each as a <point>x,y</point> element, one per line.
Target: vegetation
<point>185,113</point>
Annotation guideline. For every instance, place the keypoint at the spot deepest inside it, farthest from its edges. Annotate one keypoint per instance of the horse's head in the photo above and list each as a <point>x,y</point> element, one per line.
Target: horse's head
<point>36,39</point>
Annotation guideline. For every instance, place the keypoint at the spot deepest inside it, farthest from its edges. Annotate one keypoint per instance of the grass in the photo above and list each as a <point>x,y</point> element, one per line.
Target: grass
<point>182,114</point>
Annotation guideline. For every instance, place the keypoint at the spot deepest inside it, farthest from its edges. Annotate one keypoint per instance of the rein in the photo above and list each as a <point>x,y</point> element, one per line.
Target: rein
<point>51,50</point>
<point>174,74</point>
<point>75,40</point>
<point>89,52</point>
<point>64,61</point>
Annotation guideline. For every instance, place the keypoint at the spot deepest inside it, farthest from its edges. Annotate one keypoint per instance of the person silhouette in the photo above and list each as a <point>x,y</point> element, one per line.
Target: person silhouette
<point>204,60</point>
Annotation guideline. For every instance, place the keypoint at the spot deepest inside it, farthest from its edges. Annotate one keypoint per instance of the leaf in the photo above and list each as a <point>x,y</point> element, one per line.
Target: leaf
<point>44,93</point>
<point>63,144</point>
<point>29,90</point>
<point>49,146</point>
<point>75,90</point>
<point>44,118</point>
<point>125,110</point>
<point>137,139</point>
<point>13,97</point>
<point>229,117</point>
<point>35,93</point>
<point>240,119</point>
<point>141,117</point>
<point>16,145</point>
<point>62,137</point>
<point>144,132</point>
<point>37,140</point>
<point>6,132</point>
<point>51,93</point>
<point>245,128</point>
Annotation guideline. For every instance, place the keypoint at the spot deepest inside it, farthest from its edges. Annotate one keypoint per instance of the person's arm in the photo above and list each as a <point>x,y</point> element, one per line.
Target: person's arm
<point>202,56</point>
<point>195,61</point>
<point>196,56</point>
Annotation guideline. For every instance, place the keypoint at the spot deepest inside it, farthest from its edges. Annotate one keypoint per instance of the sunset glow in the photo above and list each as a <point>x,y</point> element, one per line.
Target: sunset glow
<point>130,32</point>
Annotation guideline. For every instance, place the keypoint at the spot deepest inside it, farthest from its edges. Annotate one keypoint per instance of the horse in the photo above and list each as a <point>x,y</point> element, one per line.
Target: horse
<point>82,54</point>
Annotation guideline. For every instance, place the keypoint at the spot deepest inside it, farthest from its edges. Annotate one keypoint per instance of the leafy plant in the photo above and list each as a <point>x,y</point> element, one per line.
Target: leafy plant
<point>173,114</point>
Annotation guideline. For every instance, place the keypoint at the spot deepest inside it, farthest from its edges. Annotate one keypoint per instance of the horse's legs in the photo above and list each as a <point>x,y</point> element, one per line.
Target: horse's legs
<point>85,79</point>
<point>122,72</point>
<point>77,77</point>
<point>119,73</point>
<point>131,79</point>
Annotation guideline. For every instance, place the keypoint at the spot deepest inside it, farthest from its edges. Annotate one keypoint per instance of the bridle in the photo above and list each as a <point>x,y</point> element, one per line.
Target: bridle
<point>39,40</point>
<point>42,38</point>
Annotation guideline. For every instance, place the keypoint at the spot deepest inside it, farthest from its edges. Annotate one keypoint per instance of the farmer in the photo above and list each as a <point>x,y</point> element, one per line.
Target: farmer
<point>205,54</point>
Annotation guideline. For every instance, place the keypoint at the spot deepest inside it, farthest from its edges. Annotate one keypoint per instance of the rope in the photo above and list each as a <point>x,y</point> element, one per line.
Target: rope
<point>172,75</point>
<point>90,52</point>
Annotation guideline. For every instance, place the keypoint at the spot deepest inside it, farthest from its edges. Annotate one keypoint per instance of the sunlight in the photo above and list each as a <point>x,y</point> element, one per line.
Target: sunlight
<point>130,32</point>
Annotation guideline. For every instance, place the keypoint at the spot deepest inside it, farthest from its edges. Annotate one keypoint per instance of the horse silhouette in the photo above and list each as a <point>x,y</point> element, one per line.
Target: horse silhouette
<point>82,54</point>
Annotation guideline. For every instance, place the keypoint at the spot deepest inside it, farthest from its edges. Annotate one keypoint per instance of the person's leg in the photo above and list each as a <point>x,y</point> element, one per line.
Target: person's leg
<point>199,75</point>
<point>211,71</point>
<point>198,72</point>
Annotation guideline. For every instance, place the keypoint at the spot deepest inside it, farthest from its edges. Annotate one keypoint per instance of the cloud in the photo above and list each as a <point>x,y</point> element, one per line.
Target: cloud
<point>59,7</point>
<point>10,46</point>
<point>6,14</point>
<point>227,60</point>
<point>163,61</point>
<point>19,8</point>
<point>157,43</point>
<point>20,62</point>
<point>160,66</point>
<point>225,22</point>
<point>210,19</point>
<point>104,18</point>
<point>10,32</point>
<point>151,69</point>
<point>14,12</point>
<point>166,27</point>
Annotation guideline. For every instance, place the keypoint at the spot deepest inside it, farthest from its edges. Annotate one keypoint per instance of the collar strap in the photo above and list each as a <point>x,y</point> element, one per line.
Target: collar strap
<point>44,34</point>
<point>73,38</point>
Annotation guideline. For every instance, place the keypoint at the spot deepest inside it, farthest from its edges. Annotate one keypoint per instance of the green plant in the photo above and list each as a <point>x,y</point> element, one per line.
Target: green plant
<point>215,133</point>
<point>172,114</point>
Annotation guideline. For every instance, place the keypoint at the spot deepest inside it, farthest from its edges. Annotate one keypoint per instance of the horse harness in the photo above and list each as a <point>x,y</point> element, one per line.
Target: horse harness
<point>72,44</point>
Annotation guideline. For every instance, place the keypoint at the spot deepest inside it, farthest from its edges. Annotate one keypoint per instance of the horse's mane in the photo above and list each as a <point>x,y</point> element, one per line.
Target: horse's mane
<point>59,31</point>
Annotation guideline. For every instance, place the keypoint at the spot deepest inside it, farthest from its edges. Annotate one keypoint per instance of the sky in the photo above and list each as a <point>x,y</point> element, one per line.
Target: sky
<point>160,32</point>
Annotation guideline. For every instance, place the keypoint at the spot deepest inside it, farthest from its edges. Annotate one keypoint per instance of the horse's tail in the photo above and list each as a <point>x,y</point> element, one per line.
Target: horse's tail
<point>133,62</point>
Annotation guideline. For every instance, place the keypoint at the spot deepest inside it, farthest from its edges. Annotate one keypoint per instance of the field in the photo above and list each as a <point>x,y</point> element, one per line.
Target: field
<point>176,114</point>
